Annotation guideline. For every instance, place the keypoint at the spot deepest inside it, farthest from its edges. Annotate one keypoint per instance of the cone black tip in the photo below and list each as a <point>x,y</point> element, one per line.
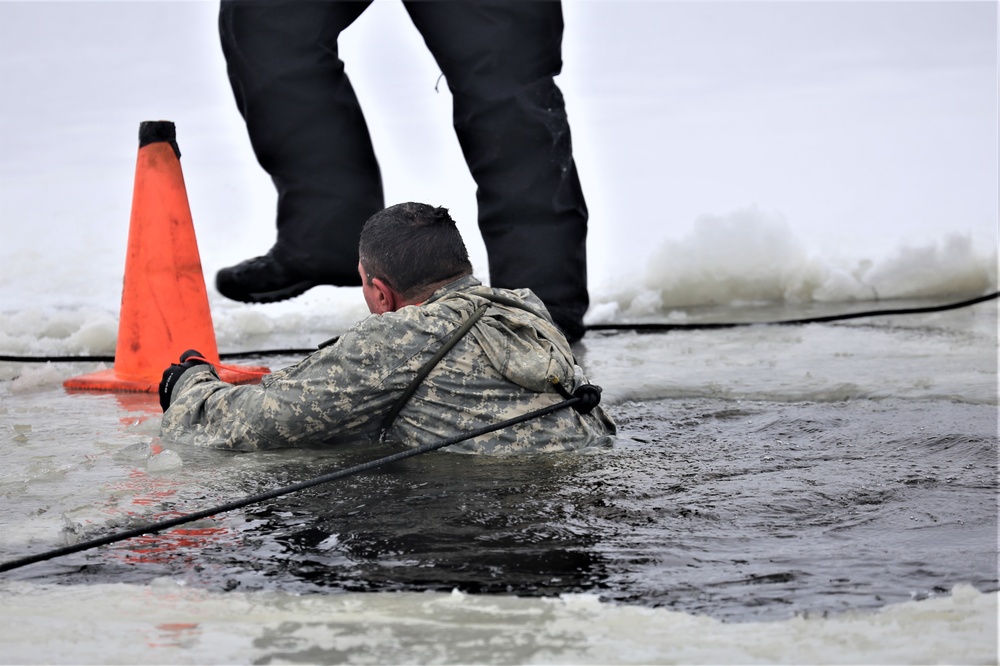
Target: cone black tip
<point>154,131</point>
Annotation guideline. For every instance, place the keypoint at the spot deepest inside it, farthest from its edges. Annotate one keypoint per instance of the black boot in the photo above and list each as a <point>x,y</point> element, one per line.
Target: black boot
<point>262,280</point>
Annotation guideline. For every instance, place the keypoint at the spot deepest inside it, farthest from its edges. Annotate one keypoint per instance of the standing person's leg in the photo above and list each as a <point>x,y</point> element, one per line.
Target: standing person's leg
<point>308,132</point>
<point>499,58</point>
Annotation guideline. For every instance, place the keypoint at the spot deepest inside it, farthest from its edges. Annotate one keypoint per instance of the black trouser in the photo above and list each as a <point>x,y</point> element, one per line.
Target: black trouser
<point>308,132</point>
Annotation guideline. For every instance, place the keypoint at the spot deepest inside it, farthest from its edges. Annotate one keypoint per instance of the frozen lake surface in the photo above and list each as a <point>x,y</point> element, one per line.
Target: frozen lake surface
<point>798,500</point>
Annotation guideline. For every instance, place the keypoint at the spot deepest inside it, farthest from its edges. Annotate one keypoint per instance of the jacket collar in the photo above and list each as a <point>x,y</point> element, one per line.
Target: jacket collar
<point>460,284</point>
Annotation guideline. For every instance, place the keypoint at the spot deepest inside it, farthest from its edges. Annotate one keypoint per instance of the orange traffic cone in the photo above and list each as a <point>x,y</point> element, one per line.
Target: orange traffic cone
<point>164,308</point>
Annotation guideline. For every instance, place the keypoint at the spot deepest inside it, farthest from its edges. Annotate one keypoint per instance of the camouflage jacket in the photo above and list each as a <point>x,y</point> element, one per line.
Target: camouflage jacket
<point>502,368</point>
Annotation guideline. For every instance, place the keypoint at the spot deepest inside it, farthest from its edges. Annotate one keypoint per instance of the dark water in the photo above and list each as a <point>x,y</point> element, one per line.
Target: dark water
<point>734,509</point>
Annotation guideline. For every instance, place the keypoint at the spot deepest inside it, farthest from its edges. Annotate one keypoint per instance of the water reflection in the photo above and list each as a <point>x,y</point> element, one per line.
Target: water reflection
<point>441,522</point>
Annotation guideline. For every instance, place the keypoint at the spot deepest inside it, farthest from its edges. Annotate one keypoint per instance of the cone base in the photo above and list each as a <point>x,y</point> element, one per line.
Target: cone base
<point>108,380</point>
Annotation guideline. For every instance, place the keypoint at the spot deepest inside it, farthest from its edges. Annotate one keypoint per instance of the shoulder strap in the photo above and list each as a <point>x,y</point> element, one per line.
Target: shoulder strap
<point>457,335</point>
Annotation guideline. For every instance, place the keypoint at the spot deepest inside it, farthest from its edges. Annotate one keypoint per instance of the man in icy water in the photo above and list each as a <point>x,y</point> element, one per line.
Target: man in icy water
<point>417,281</point>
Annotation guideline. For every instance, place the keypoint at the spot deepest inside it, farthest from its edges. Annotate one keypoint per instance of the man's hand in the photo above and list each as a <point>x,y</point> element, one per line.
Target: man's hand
<point>590,397</point>
<point>189,359</point>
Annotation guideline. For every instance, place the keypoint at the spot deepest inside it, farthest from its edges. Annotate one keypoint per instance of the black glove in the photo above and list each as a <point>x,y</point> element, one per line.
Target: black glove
<point>590,397</point>
<point>189,359</point>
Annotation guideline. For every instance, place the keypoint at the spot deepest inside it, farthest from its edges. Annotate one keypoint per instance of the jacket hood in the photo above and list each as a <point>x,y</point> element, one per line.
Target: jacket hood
<point>517,335</point>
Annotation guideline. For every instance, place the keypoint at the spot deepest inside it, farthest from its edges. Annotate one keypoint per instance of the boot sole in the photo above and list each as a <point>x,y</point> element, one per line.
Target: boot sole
<point>282,294</point>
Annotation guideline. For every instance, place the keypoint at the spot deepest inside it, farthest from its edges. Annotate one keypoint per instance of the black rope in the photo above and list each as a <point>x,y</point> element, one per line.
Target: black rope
<point>285,490</point>
<point>650,328</point>
<point>797,322</point>
<point>111,359</point>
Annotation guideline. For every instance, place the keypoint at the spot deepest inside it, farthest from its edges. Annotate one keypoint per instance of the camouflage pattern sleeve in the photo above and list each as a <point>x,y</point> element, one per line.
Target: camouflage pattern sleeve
<point>337,392</point>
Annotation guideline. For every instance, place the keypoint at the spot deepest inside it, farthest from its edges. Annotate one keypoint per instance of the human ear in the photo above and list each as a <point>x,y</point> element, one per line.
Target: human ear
<point>385,297</point>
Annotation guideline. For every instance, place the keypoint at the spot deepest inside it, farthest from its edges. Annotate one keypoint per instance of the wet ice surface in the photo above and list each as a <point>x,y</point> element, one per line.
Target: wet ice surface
<point>739,510</point>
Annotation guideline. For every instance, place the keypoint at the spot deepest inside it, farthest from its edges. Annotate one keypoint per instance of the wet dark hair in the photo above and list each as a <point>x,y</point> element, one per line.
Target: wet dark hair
<point>411,246</point>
